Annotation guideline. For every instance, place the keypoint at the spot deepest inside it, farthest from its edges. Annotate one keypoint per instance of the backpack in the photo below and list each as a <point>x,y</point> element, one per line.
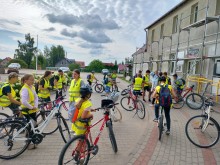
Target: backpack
<point>184,81</point>
<point>88,76</point>
<point>165,99</point>
<point>106,81</point>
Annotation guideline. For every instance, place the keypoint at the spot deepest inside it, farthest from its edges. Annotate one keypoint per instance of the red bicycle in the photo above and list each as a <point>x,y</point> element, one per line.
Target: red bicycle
<point>131,103</point>
<point>79,148</point>
<point>193,100</point>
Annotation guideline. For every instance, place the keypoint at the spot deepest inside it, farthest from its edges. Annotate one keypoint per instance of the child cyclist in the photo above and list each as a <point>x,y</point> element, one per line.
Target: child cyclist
<point>83,104</point>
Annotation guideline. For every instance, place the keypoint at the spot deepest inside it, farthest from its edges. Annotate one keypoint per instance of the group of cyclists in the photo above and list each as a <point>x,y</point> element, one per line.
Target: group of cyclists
<point>158,86</point>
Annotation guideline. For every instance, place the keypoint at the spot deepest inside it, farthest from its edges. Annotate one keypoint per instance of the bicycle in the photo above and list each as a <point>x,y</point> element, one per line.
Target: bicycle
<point>79,148</point>
<point>203,130</point>
<point>17,134</point>
<point>131,103</point>
<point>99,88</point>
<point>193,100</point>
<point>161,124</point>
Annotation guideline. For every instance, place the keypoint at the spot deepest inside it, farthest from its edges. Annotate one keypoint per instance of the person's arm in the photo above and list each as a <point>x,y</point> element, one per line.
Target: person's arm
<point>7,90</point>
<point>154,94</point>
<point>41,85</point>
<point>35,100</point>
<point>86,113</point>
<point>56,79</point>
<point>173,93</point>
<point>25,98</point>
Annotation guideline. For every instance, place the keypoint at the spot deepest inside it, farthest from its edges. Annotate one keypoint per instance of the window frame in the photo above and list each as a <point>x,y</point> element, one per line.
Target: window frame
<point>175,24</point>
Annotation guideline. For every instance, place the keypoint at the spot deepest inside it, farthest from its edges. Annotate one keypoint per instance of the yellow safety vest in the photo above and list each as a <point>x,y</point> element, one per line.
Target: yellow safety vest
<point>45,93</point>
<point>91,77</point>
<point>138,84</point>
<point>74,89</point>
<point>4,100</point>
<point>146,80</point>
<point>31,98</point>
<point>60,82</point>
<point>114,76</point>
<point>78,126</point>
<point>167,80</point>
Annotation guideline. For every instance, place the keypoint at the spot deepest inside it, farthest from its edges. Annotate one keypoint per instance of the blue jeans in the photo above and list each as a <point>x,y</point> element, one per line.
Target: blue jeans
<point>167,114</point>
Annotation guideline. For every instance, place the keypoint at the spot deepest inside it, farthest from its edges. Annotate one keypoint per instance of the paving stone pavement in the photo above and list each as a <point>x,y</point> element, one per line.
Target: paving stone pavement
<point>137,142</point>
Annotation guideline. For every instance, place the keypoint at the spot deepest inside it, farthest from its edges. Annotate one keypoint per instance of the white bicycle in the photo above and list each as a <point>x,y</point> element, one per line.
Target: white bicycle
<point>16,134</point>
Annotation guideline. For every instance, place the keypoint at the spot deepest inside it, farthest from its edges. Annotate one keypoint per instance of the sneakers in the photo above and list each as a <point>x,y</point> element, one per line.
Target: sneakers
<point>168,132</point>
<point>155,120</point>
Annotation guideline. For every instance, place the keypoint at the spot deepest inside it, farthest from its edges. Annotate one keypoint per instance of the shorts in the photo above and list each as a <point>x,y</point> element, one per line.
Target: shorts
<point>107,89</point>
<point>147,88</point>
<point>14,108</point>
<point>137,92</point>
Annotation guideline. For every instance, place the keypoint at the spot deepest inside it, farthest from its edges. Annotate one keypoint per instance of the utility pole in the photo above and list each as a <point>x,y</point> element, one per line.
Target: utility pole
<point>36,54</point>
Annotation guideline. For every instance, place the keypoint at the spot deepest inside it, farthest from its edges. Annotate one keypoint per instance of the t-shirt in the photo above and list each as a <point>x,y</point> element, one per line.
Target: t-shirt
<point>6,90</point>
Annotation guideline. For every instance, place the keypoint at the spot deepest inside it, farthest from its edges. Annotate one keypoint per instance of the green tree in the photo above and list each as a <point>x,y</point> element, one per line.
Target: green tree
<point>74,66</point>
<point>21,62</point>
<point>95,65</point>
<point>57,53</point>
<point>116,63</point>
<point>26,50</point>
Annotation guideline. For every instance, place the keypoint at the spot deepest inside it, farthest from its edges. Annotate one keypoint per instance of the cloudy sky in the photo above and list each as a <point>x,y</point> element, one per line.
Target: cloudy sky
<point>108,30</point>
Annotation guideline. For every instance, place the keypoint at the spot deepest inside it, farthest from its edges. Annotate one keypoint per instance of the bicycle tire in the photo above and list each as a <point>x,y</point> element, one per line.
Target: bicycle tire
<point>178,104</point>
<point>112,136</point>
<point>199,122</point>
<point>124,92</point>
<point>70,145</point>
<point>127,103</point>
<point>51,127</point>
<point>10,128</point>
<point>115,114</point>
<point>160,127</point>
<point>3,117</point>
<point>63,108</point>
<point>64,129</point>
<point>140,109</point>
<point>99,88</point>
<point>193,102</point>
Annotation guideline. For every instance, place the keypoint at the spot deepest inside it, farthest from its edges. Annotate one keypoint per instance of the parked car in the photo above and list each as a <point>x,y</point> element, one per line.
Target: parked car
<point>105,71</point>
<point>14,66</point>
<point>65,69</point>
<point>12,70</point>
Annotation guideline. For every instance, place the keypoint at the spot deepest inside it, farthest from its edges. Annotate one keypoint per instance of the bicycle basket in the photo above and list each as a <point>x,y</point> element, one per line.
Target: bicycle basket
<point>114,96</point>
<point>106,102</point>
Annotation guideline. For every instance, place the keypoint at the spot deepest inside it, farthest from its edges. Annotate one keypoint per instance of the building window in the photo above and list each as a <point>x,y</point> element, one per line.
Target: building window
<point>191,69</point>
<point>161,31</point>
<point>152,36</point>
<point>175,24</point>
<point>218,7</point>
<point>194,13</point>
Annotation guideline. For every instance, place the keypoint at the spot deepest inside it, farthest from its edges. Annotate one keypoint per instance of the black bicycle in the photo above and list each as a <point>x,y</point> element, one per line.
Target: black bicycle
<point>161,123</point>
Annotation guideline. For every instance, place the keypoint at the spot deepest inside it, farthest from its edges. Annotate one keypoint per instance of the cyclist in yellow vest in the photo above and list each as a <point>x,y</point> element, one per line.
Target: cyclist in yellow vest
<point>29,100</point>
<point>147,85</point>
<point>74,93</point>
<point>44,87</point>
<point>113,77</point>
<point>138,84</point>
<point>168,80</point>
<point>59,79</point>
<point>91,77</point>
<point>156,94</point>
<point>8,95</point>
<point>108,85</point>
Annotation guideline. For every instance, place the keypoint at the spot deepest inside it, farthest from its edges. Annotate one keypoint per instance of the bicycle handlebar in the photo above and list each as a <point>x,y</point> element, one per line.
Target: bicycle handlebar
<point>110,105</point>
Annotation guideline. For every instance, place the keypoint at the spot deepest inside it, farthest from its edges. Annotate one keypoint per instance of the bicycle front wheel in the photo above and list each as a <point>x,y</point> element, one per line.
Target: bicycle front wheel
<point>51,127</point>
<point>140,109</point>
<point>194,101</point>
<point>179,103</point>
<point>99,88</point>
<point>127,103</point>
<point>202,132</point>
<point>3,117</point>
<point>112,136</point>
<point>64,107</point>
<point>160,127</point>
<point>115,114</point>
<point>76,151</point>
<point>14,139</point>
<point>124,92</point>
<point>64,129</point>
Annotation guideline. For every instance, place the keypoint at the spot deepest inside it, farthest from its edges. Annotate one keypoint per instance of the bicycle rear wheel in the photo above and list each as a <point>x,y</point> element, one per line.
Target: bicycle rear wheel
<point>64,129</point>
<point>99,88</point>
<point>115,114</point>
<point>202,132</point>
<point>179,103</point>
<point>140,109</point>
<point>160,127</point>
<point>76,151</point>
<point>3,117</point>
<point>127,103</point>
<point>194,101</point>
<point>112,136</point>
<point>52,125</point>
<point>64,107</point>
<point>14,139</point>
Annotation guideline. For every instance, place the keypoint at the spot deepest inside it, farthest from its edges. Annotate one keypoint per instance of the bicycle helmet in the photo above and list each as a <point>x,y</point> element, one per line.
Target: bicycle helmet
<point>85,91</point>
